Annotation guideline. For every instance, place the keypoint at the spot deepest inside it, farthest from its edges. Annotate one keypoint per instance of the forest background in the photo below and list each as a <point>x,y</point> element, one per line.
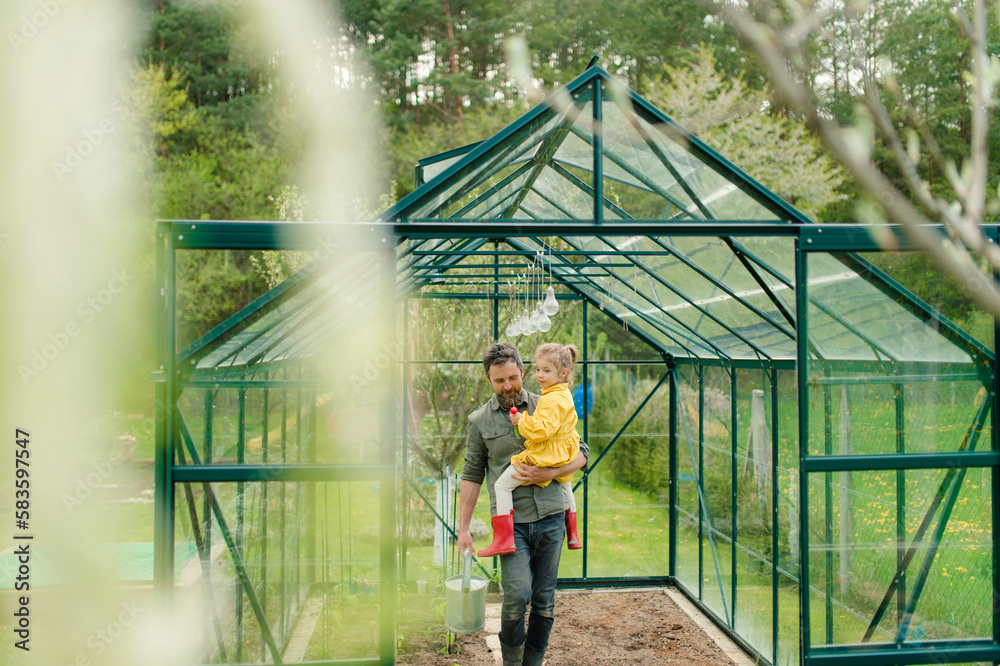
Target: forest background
<point>204,111</point>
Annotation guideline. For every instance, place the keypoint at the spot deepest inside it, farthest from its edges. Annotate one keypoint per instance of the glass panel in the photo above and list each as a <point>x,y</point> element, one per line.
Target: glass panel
<point>628,511</point>
<point>615,290</point>
<point>625,144</point>
<point>300,384</point>
<point>607,334</point>
<point>773,254</point>
<point>733,306</point>
<point>657,299</point>
<point>500,209</point>
<point>199,305</point>
<point>308,549</point>
<point>431,171</point>
<point>788,517</point>
<point>713,257</point>
<point>864,523</point>
<point>469,184</point>
<point>717,546</point>
<point>852,318</point>
<point>476,206</point>
<point>579,152</point>
<point>304,422</point>
<point>594,285</point>
<point>864,413</point>
<point>639,203</point>
<point>328,306</point>
<point>564,192</point>
<point>709,188</point>
<point>754,525</point>
<point>540,208</point>
<point>918,274</point>
<point>690,518</point>
<point>408,262</point>
<point>576,150</point>
<point>769,256</point>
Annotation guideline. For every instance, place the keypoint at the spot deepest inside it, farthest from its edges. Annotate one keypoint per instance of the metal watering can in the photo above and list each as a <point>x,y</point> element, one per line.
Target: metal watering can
<point>465,600</point>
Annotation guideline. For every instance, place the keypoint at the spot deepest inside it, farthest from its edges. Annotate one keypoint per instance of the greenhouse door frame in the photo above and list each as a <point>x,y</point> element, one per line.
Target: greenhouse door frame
<point>198,235</point>
<point>849,238</point>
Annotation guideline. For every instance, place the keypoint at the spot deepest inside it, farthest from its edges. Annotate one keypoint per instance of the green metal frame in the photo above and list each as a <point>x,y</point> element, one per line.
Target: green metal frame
<point>447,261</point>
<point>956,463</point>
<point>175,443</point>
<point>826,464</point>
<point>486,206</point>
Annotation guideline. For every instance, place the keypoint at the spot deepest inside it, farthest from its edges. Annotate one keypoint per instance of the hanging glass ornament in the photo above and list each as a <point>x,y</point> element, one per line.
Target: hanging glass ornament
<point>534,314</point>
<point>513,328</point>
<point>544,323</point>
<point>550,306</point>
<point>528,326</point>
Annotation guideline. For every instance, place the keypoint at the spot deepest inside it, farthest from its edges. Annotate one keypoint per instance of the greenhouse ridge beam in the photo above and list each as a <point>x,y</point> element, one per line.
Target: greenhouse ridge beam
<point>503,228</point>
<point>215,234</point>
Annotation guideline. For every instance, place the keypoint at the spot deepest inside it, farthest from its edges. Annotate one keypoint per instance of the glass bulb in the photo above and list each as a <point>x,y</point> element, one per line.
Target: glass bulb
<point>513,330</point>
<point>527,325</point>
<point>544,323</point>
<point>534,315</point>
<point>550,306</point>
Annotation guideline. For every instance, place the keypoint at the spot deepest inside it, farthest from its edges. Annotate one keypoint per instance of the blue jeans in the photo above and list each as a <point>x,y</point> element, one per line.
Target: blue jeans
<point>529,576</point>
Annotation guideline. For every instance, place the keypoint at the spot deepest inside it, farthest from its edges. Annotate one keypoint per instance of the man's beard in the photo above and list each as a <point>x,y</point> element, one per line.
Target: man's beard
<point>508,401</point>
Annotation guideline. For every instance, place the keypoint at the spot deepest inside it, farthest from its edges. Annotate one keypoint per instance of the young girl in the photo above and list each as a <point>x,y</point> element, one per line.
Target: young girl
<point>550,440</point>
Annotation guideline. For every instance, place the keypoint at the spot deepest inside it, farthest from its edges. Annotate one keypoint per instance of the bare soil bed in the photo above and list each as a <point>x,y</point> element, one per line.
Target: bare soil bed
<point>621,628</point>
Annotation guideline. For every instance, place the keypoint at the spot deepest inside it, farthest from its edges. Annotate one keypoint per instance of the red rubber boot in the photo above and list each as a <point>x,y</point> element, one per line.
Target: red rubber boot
<point>572,538</point>
<point>503,536</point>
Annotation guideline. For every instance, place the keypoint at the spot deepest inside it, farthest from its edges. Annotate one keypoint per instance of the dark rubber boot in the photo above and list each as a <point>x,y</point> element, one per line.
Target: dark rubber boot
<point>512,655</point>
<point>503,536</point>
<point>533,657</point>
<point>572,538</point>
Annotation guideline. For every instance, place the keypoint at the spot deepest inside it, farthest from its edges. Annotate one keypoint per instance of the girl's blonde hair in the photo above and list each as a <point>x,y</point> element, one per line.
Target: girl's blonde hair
<point>564,356</point>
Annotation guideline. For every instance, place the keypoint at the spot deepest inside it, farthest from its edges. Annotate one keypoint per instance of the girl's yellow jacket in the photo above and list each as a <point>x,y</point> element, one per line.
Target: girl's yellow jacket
<point>550,437</point>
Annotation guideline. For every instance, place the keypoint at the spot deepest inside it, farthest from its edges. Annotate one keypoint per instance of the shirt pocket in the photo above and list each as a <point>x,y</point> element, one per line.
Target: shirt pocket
<point>501,444</point>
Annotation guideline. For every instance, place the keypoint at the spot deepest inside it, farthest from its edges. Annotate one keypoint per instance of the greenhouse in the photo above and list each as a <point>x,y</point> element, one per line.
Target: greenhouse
<point>782,431</point>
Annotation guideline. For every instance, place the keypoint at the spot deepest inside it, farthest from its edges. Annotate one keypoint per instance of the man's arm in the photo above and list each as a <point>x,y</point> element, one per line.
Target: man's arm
<point>468,495</point>
<point>529,474</point>
<point>473,474</point>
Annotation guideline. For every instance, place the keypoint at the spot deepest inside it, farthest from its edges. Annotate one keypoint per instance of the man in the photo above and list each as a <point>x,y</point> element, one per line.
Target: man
<point>529,574</point>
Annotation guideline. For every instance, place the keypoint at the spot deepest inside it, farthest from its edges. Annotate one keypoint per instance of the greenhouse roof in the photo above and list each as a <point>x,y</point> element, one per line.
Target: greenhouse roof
<point>637,216</point>
<point>596,154</point>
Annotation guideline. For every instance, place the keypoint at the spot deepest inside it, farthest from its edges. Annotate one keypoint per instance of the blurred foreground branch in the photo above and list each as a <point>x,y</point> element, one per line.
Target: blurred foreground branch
<point>782,35</point>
